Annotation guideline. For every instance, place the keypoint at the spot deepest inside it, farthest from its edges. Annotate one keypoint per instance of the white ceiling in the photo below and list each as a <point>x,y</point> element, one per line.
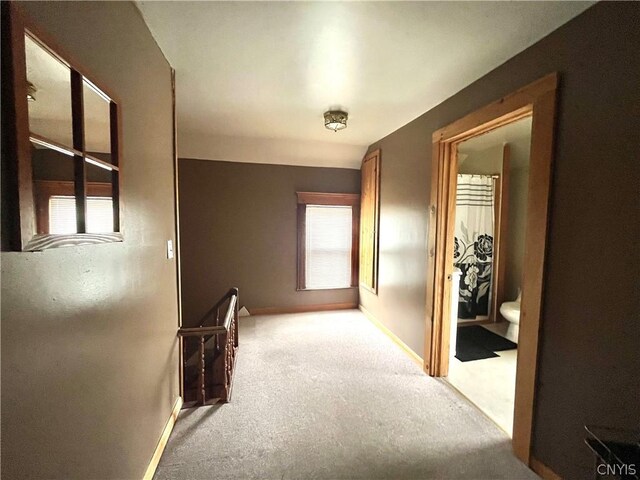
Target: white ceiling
<point>257,73</point>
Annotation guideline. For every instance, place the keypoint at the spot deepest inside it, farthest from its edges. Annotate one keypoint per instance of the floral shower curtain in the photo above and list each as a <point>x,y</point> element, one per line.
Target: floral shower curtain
<point>473,249</point>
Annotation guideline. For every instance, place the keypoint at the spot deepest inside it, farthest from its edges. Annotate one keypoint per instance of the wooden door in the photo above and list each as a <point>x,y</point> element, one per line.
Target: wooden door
<point>369,221</point>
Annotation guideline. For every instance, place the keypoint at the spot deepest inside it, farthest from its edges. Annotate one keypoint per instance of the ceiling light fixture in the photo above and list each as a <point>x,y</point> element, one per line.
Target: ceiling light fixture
<point>335,120</point>
<point>31,92</point>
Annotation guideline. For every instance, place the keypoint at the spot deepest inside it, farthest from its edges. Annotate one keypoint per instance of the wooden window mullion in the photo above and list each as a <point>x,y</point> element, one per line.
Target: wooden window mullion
<point>114,121</point>
<point>79,165</point>
<point>17,176</point>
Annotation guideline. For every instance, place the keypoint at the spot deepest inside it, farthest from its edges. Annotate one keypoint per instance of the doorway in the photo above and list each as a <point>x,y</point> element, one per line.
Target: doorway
<point>538,101</point>
<point>489,235</point>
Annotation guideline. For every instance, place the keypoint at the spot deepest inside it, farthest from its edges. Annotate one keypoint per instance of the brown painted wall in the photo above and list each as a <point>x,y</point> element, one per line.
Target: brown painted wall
<point>589,361</point>
<point>238,228</point>
<point>89,353</point>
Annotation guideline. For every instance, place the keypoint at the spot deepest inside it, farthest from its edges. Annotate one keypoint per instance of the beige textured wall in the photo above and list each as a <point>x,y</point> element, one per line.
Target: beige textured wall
<point>481,162</point>
<point>238,228</point>
<point>89,351</point>
<point>589,364</point>
<point>518,194</point>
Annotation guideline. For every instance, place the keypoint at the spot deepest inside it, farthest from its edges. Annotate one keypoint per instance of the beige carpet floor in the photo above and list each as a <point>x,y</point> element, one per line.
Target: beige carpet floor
<point>328,396</point>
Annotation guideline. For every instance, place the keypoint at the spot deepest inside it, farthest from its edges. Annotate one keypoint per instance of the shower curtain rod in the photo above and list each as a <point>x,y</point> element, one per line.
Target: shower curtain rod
<point>479,175</point>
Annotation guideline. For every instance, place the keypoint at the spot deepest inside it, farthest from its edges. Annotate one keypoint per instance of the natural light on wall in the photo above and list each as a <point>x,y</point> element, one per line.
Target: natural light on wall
<point>62,214</point>
<point>328,246</point>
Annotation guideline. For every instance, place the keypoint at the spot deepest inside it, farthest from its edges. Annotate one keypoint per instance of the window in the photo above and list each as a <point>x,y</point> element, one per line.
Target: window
<point>62,214</point>
<point>328,245</point>
<point>327,240</point>
<point>55,206</point>
<point>369,221</point>
<point>61,135</point>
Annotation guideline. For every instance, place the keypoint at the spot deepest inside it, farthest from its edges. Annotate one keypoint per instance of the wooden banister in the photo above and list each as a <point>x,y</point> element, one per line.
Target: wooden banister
<point>213,330</point>
<point>216,308</point>
<point>224,352</point>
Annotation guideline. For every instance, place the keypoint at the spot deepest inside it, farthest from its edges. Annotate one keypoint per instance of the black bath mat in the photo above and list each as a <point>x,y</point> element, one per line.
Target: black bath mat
<point>487,339</point>
<point>475,343</point>
<point>468,350</point>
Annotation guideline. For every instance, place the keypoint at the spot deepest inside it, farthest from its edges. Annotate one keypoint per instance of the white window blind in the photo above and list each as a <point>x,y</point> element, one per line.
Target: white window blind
<point>62,214</point>
<point>99,214</point>
<point>328,247</point>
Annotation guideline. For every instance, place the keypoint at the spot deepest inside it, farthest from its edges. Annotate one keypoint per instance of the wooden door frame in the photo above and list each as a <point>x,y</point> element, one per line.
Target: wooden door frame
<point>537,100</point>
<point>501,222</point>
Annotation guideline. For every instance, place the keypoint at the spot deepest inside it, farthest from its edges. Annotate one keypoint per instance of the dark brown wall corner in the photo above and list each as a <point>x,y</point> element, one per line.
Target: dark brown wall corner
<point>238,226</point>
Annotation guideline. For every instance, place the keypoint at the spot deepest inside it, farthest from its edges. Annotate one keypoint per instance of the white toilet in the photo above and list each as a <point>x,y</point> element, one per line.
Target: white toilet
<point>511,312</point>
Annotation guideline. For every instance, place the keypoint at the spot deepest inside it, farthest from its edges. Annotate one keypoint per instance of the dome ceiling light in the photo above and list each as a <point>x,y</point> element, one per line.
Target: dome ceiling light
<point>335,120</point>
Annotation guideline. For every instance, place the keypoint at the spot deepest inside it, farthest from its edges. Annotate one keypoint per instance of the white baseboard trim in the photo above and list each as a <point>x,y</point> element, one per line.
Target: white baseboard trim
<point>403,346</point>
<point>164,438</point>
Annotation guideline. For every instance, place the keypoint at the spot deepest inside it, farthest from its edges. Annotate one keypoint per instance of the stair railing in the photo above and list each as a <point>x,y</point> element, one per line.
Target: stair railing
<point>225,336</point>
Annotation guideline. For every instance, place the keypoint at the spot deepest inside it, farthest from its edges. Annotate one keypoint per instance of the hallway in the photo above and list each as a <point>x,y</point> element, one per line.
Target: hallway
<point>328,396</point>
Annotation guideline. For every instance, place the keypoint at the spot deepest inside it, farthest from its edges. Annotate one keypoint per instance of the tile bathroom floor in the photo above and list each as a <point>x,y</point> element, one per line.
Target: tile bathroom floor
<point>489,383</point>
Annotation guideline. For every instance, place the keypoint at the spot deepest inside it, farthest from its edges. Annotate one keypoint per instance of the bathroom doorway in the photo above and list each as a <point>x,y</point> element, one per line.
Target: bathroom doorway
<point>537,102</point>
<point>488,253</point>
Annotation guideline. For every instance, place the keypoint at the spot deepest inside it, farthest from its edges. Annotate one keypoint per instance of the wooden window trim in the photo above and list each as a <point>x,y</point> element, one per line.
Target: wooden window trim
<point>22,234</point>
<point>337,199</point>
<point>317,198</point>
<point>374,157</point>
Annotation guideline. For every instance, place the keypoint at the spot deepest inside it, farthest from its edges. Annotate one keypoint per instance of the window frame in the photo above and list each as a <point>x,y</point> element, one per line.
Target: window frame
<point>336,199</point>
<point>21,232</point>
